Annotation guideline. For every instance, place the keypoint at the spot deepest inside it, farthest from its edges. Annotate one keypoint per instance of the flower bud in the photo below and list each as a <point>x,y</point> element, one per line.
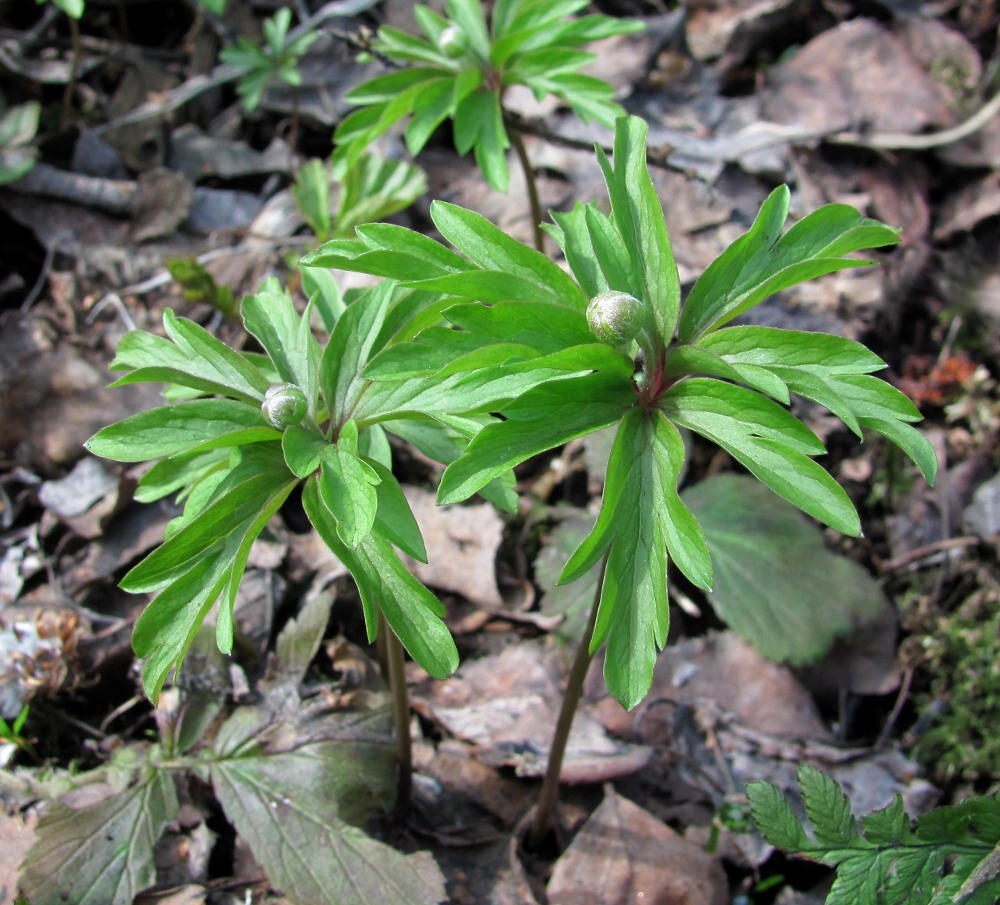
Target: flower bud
<point>453,42</point>
<point>284,405</point>
<point>614,317</point>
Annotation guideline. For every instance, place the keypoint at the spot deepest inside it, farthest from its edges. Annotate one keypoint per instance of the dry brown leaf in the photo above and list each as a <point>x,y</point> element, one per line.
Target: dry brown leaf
<point>623,855</point>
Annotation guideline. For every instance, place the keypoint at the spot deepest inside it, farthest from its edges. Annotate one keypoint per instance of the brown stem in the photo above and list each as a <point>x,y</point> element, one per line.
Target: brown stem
<point>529,179</point>
<point>548,798</point>
<point>401,719</point>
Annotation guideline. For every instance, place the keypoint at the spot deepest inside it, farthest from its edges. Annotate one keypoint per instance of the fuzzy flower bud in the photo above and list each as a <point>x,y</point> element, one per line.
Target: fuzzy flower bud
<point>453,42</point>
<point>614,317</point>
<point>284,405</point>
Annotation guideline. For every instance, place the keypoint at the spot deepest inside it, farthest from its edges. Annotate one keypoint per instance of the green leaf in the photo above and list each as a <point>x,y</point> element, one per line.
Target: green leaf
<point>827,808</point>
<point>290,808</point>
<point>394,519</point>
<point>493,250</point>
<point>638,218</point>
<point>286,337</point>
<point>234,507</point>
<point>468,15</point>
<point>195,426</point>
<point>101,854</point>
<point>774,817</point>
<point>311,192</point>
<point>772,444</point>
<point>478,125</point>
<point>347,485</point>
<point>543,417</point>
<point>375,188</point>
<point>385,585</point>
<point>195,359</point>
<point>303,449</point>
<point>762,262</point>
<point>346,355</point>
<point>179,473</point>
<point>769,563</point>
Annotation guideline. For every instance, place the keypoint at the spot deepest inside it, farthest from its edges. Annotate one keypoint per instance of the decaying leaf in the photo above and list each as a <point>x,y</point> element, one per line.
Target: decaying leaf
<point>101,854</point>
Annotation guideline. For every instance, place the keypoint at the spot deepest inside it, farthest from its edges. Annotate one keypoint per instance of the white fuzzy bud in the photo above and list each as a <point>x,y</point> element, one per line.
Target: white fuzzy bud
<point>284,405</point>
<point>453,42</point>
<point>614,317</point>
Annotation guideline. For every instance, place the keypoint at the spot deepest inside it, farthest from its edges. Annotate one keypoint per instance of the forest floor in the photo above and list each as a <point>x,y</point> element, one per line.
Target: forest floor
<point>888,105</point>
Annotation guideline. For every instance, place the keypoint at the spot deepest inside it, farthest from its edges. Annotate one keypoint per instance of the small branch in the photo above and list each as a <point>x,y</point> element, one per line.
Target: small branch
<point>548,799</point>
<point>532,185</point>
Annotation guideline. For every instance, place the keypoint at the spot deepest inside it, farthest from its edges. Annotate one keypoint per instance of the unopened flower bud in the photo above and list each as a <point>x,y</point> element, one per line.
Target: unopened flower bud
<point>614,317</point>
<point>284,405</point>
<point>453,42</point>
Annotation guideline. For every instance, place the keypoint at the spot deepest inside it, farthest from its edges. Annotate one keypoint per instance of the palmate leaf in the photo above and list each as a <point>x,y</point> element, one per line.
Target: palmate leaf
<point>832,371</point>
<point>769,563</point>
<point>203,560</point>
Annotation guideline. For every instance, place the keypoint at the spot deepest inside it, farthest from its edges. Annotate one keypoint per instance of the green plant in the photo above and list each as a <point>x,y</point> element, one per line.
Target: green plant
<point>462,66</point>
<point>277,59</point>
<point>482,358</point>
<point>960,655</point>
<point>18,127</point>
<point>531,350</point>
<point>373,189</point>
<point>949,855</point>
<point>11,732</point>
<point>198,285</point>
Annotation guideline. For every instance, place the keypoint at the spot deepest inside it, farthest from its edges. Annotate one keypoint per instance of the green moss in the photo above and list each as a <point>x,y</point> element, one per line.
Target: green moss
<point>963,658</point>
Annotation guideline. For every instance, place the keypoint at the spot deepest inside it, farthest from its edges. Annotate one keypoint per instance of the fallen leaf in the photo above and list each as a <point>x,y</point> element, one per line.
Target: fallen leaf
<point>623,855</point>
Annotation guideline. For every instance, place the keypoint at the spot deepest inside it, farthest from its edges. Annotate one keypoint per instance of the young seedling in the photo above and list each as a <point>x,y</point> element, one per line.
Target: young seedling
<point>278,60</point>
<point>373,189</point>
<point>460,69</point>
<point>559,357</point>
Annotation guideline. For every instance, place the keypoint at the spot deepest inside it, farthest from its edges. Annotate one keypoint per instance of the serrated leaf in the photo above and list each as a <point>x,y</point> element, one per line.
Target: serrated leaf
<point>774,817</point>
<point>828,808</point>
<point>198,425</point>
<point>776,584</point>
<point>290,807</point>
<point>101,854</point>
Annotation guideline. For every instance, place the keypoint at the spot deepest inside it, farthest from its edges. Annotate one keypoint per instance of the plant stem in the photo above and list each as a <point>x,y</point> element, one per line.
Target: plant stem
<point>529,180</point>
<point>401,718</point>
<point>548,798</point>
